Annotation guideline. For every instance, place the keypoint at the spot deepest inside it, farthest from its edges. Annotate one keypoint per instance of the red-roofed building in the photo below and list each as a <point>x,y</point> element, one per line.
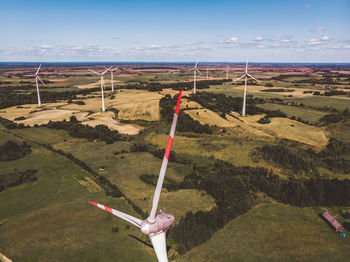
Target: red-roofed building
<point>338,227</point>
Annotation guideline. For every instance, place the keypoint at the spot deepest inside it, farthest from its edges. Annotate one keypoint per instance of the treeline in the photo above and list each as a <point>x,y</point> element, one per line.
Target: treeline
<point>282,156</point>
<point>152,179</point>
<point>17,178</point>
<point>221,103</point>
<point>335,117</point>
<point>234,189</point>
<point>76,129</point>
<point>10,97</point>
<point>185,122</point>
<point>12,151</point>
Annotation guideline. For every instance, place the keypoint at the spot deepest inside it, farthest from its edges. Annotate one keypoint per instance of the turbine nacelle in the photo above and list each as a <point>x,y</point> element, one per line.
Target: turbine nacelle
<point>161,223</point>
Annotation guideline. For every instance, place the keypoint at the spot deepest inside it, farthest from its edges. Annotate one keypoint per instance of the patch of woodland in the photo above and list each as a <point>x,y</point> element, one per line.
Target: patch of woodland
<point>12,150</point>
<point>17,178</point>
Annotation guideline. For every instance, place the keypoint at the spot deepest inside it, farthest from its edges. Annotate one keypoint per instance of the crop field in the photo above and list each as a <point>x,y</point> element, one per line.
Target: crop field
<point>251,174</point>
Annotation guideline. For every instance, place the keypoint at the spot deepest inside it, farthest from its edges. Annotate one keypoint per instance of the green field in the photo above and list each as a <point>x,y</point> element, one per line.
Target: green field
<point>274,232</point>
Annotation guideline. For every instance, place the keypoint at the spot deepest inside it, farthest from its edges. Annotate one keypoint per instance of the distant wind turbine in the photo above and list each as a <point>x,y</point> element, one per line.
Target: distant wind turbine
<point>102,86</point>
<point>245,75</point>
<point>112,70</point>
<point>155,226</point>
<point>37,85</point>
<point>195,70</point>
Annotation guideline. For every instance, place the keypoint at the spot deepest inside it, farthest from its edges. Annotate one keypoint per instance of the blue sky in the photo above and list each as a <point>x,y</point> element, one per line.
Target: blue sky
<point>134,30</point>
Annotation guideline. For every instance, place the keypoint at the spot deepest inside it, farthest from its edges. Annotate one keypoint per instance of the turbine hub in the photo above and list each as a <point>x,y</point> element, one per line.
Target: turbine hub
<point>161,223</point>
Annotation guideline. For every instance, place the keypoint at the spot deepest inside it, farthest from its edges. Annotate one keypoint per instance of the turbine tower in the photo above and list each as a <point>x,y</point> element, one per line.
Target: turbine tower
<point>37,85</point>
<point>245,75</point>
<point>155,225</point>
<point>102,86</point>
<point>112,70</point>
<point>195,70</point>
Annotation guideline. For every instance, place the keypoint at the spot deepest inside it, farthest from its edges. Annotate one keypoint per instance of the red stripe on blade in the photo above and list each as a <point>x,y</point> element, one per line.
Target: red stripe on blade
<point>178,103</point>
<point>168,147</point>
<point>93,203</point>
<point>108,209</point>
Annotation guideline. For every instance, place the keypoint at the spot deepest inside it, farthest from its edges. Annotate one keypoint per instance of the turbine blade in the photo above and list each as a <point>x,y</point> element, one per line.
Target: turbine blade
<point>191,69</point>
<point>94,72</point>
<point>133,220</point>
<point>199,71</point>
<point>196,64</point>
<point>159,246</point>
<point>29,75</point>
<point>238,78</point>
<point>37,71</point>
<point>165,162</point>
<point>253,77</point>
<point>106,70</point>
<point>246,65</point>
<point>40,80</point>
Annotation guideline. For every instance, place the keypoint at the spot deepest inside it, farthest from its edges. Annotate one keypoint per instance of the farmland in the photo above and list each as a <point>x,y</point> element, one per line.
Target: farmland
<point>222,165</point>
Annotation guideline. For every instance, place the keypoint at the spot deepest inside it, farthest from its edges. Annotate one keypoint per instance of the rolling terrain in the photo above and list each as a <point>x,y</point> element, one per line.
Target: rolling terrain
<point>241,188</point>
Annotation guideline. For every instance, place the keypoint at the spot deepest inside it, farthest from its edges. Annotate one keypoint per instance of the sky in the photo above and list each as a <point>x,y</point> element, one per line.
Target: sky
<point>175,31</point>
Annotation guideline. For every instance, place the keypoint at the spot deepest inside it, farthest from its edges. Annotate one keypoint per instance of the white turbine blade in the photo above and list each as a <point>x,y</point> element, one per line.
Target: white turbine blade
<point>133,220</point>
<point>40,80</point>
<point>94,72</point>
<point>37,71</point>
<point>106,70</point>
<point>191,69</point>
<point>196,64</point>
<point>238,78</point>
<point>253,77</point>
<point>29,75</point>
<point>156,196</point>
<point>246,65</point>
<point>199,71</point>
<point>159,245</point>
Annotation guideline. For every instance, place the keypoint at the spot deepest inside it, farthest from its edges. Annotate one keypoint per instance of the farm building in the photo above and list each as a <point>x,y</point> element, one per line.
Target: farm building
<point>338,227</point>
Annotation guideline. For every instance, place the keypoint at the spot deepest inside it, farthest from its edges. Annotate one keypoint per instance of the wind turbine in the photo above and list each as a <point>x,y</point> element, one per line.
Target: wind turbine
<point>37,85</point>
<point>154,226</point>
<point>195,70</point>
<point>112,70</point>
<point>102,86</point>
<point>245,75</point>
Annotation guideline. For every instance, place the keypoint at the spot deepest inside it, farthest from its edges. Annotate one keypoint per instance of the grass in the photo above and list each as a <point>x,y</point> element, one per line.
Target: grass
<point>50,219</point>
<point>313,116</point>
<point>274,232</point>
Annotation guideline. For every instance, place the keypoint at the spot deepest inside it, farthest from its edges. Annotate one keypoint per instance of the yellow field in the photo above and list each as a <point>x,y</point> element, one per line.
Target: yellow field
<point>280,128</point>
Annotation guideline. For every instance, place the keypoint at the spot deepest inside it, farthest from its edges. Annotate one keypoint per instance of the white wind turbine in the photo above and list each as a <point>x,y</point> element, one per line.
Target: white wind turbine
<point>112,70</point>
<point>37,85</point>
<point>102,86</point>
<point>245,75</point>
<point>195,70</point>
<point>155,225</point>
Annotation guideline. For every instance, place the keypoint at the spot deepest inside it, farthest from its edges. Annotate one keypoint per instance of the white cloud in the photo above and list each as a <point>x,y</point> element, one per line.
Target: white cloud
<point>314,41</point>
<point>285,41</point>
<point>347,46</point>
<point>259,38</point>
<point>325,38</point>
<point>232,40</point>
<point>317,29</point>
